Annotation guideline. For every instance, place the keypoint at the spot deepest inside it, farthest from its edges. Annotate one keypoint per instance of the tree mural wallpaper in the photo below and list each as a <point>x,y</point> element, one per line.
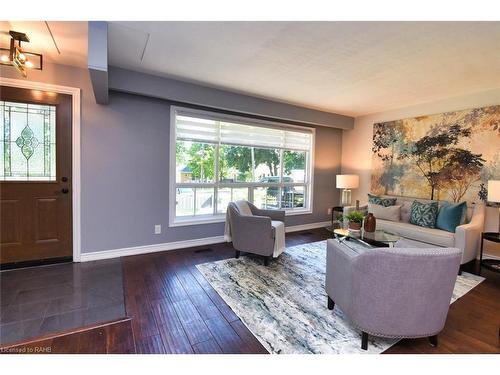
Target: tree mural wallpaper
<point>448,156</point>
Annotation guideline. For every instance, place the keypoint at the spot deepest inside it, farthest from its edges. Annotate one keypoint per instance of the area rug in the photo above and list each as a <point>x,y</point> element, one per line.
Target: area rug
<point>284,305</point>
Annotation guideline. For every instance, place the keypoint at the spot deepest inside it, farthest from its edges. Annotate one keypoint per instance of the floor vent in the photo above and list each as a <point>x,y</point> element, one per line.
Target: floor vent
<point>203,250</point>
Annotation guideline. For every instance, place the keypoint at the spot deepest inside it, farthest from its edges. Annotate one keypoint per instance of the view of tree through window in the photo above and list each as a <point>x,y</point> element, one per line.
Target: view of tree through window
<point>218,164</point>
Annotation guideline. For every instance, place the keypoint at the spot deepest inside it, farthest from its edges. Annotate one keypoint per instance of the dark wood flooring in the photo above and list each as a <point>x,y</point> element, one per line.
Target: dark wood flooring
<point>108,338</point>
<point>173,309</point>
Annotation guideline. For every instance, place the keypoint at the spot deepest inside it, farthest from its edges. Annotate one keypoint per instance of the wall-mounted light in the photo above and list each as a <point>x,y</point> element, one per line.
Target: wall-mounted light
<point>18,57</point>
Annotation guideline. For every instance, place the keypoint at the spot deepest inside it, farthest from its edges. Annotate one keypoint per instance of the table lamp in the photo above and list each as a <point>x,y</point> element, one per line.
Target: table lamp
<point>347,182</point>
<point>494,195</point>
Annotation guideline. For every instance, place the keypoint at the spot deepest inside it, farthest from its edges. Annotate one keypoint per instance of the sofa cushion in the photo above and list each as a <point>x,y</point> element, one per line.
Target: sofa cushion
<point>405,210</point>
<point>391,213</point>
<point>424,214</point>
<point>406,203</point>
<point>422,234</point>
<point>450,216</point>
<point>386,202</point>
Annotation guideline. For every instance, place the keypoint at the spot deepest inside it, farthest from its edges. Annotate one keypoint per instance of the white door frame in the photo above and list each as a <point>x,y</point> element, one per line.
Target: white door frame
<point>76,183</point>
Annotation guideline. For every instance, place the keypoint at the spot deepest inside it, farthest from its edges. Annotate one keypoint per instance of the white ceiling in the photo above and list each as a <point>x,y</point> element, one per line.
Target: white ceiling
<point>71,38</point>
<point>352,68</point>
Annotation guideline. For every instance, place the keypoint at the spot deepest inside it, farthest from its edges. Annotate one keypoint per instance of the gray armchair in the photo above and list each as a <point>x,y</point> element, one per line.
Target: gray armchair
<point>392,292</point>
<point>254,230</point>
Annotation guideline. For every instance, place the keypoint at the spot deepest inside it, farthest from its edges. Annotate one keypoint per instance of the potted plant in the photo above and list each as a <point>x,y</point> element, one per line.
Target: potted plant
<point>354,219</point>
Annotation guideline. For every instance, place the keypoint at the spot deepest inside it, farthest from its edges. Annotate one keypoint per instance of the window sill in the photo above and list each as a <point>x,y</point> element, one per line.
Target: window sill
<point>221,218</point>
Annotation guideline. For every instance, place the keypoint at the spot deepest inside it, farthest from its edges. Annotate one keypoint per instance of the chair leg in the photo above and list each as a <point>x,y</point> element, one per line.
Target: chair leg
<point>237,254</point>
<point>433,340</point>
<point>267,259</point>
<point>364,340</point>
<point>331,303</point>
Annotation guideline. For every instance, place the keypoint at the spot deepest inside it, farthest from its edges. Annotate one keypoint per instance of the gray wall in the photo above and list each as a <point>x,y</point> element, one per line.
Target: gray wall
<point>165,88</point>
<point>125,161</point>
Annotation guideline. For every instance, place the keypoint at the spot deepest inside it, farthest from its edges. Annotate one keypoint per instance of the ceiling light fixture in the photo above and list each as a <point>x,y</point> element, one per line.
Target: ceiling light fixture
<point>18,57</point>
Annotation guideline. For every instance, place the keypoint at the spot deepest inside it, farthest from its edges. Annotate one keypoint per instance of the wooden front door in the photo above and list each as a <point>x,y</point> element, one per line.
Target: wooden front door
<point>35,176</point>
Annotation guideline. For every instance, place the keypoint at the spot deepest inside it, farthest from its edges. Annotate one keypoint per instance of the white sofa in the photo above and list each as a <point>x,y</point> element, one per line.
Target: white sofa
<point>467,237</point>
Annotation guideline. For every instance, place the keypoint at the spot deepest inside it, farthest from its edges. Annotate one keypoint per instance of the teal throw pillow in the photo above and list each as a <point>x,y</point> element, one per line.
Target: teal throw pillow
<point>386,202</point>
<point>450,216</point>
<point>424,214</point>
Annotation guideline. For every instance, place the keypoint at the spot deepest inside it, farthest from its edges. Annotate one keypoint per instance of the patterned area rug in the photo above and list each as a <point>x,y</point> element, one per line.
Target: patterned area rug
<point>284,305</point>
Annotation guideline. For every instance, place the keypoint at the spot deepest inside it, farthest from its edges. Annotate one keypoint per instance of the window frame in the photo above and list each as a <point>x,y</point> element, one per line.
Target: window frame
<point>308,184</point>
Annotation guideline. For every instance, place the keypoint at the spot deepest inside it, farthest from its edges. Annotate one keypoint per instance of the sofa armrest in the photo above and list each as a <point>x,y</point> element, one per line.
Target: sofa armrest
<point>468,236</point>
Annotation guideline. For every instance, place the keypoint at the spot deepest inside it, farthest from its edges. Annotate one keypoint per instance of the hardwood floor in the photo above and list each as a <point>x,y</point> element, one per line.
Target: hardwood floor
<point>173,309</point>
<point>109,338</point>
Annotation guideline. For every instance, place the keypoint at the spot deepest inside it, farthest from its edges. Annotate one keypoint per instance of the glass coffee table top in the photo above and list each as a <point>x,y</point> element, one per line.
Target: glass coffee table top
<point>379,238</point>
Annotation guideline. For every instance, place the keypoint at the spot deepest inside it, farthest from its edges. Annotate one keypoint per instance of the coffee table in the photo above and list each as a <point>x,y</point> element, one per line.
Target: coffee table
<point>379,238</point>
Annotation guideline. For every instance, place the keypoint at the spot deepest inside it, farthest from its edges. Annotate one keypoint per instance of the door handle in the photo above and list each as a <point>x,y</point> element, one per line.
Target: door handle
<point>64,190</point>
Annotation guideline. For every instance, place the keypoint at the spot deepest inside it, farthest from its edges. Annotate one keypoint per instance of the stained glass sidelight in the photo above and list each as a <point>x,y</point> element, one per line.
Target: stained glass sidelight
<point>27,142</point>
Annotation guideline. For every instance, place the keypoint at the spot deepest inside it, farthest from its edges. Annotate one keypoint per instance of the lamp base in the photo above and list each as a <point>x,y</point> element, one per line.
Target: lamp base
<point>345,198</point>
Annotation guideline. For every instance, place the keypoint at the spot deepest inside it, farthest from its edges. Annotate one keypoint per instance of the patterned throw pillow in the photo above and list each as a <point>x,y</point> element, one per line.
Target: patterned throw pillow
<point>424,214</point>
<point>386,202</point>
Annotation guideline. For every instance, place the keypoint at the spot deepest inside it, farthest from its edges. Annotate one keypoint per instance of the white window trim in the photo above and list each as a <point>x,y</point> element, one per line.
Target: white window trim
<point>219,218</point>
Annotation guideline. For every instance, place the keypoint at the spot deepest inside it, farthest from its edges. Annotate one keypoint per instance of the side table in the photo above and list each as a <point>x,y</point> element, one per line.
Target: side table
<point>336,212</point>
<point>491,264</point>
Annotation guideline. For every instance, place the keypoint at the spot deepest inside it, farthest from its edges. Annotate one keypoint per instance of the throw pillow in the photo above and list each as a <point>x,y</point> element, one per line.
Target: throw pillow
<point>391,213</point>
<point>424,214</point>
<point>386,202</point>
<point>450,216</point>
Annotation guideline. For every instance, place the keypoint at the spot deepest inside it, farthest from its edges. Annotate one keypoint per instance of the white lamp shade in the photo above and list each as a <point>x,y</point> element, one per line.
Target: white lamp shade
<point>347,181</point>
<point>494,191</point>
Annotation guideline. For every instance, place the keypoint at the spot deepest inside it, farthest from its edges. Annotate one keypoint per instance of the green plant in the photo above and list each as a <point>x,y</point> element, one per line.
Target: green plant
<point>355,217</point>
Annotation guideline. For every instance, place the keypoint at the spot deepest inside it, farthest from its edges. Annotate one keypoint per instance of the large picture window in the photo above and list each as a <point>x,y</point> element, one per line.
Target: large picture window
<point>219,158</point>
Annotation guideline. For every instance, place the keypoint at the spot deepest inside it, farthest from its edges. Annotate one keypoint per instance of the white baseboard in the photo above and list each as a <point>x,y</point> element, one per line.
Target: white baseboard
<point>296,228</point>
<point>136,250</point>
<point>127,251</point>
